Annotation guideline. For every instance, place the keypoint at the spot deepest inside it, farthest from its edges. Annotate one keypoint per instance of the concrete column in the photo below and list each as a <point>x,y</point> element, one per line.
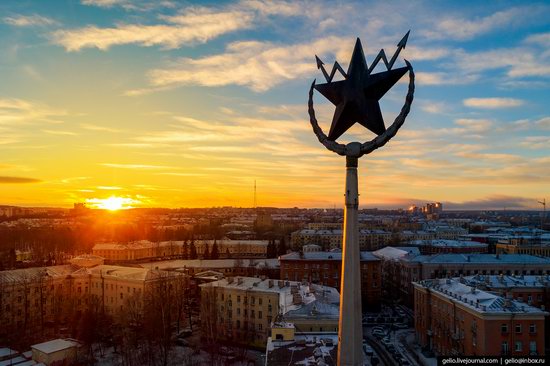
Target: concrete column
<point>350,333</point>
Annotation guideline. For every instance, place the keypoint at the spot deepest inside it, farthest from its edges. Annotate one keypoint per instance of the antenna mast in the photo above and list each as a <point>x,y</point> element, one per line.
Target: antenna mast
<point>255,193</point>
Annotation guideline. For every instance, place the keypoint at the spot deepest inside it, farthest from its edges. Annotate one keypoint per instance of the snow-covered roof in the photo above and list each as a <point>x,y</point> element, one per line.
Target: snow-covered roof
<point>54,345</point>
<point>337,256</point>
<point>481,258</point>
<point>32,274</point>
<point>286,290</point>
<point>392,253</point>
<point>480,301</point>
<point>6,352</point>
<point>311,349</point>
<point>446,243</point>
<point>508,281</point>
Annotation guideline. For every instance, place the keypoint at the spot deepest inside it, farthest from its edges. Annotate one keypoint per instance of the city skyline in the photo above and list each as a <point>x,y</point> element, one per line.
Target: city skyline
<point>186,105</point>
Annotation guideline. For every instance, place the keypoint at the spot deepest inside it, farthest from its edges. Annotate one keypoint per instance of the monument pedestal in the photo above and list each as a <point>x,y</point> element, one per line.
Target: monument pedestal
<point>350,350</point>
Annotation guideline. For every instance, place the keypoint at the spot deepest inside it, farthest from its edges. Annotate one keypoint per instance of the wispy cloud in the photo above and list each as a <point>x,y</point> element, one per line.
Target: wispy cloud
<point>461,28</point>
<point>18,111</point>
<point>492,103</point>
<point>29,20</point>
<point>60,132</point>
<point>137,166</point>
<point>257,65</point>
<point>93,127</point>
<point>16,180</point>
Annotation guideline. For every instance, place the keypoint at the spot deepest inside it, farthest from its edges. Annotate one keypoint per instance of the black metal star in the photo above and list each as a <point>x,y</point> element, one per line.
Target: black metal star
<point>356,97</point>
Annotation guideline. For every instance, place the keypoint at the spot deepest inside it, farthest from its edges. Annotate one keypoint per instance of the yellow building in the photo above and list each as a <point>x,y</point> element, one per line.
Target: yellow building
<point>242,309</point>
<point>36,299</point>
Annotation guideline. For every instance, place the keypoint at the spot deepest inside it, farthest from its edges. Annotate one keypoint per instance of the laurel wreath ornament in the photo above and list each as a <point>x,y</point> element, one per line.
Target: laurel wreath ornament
<point>355,149</point>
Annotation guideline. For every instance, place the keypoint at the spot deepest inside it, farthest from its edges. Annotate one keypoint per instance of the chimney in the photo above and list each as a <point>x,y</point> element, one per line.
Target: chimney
<point>270,283</point>
<point>281,284</point>
<point>239,280</point>
<point>230,279</point>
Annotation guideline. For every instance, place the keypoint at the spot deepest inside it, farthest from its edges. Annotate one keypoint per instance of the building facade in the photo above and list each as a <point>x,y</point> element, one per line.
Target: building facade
<point>240,310</point>
<point>325,268</point>
<point>452,318</point>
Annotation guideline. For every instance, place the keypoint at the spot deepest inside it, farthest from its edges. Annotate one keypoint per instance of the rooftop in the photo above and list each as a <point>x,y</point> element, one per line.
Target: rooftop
<point>443,243</point>
<point>306,349</point>
<point>54,345</point>
<point>508,281</point>
<point>481,258</point>
<point>316,256</point>
<point>393,253</point>
<point>308,293</point>
<point>478,300</point>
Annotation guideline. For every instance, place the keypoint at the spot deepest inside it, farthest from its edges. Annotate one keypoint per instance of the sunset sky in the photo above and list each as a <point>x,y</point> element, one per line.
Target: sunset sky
<point>176,104</point>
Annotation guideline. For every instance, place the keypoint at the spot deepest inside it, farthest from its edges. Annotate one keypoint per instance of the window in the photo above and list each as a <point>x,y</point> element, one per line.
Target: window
<point>504,328</point>
<point>260,301</point>
<point>260,326</point>
<point>239,298</point>
<point>504,348</point>
<point>533,348</point>
<point>238,311</point>
<point>252,314</point>
<point>518,328</point>
<point>532,328</point>
<point>259,315</point>
<point>519,346</point>
<point>121,295</point>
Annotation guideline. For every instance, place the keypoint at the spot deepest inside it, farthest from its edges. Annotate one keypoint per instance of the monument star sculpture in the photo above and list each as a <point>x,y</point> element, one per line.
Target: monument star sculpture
<point>356,100</point>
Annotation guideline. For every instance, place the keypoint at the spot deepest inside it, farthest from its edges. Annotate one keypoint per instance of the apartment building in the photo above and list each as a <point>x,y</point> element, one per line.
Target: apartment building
<point>452,318</point>
<point>241,309</point>
<point>325,268</point>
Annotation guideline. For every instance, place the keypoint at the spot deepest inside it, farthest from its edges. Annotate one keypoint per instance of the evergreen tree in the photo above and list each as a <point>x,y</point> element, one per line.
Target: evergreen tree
<point>185,250</point>
<point>192,250</point>
<point>206,254</point>
<point>214,253</point>
<point>282,246</point>
<point>271,249</point>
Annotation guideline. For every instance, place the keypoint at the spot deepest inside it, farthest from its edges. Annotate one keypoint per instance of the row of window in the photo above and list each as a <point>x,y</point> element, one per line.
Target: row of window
<point>518,328</point>
<point>519,347</point>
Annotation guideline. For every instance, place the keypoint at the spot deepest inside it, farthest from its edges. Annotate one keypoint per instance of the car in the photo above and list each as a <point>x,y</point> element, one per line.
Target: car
<point>379,327</point>
<point>400,326</point>
<point>404,362</point>
<point>386,341</point>
<point>374,361</point>
<point>378,333</point>
<point>368,350</point>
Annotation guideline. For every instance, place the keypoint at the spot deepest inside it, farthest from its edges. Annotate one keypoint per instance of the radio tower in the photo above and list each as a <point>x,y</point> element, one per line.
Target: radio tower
<point>254,193</point>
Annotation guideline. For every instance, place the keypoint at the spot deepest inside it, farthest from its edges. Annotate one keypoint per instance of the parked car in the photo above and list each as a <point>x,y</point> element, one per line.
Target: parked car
<point>368,350</point>
<point>386,341</point>
<point>400,326</point>
<point>378,333</point>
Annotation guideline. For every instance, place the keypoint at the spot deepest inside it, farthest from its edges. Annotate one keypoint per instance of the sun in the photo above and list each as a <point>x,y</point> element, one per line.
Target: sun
<point>113,203</point>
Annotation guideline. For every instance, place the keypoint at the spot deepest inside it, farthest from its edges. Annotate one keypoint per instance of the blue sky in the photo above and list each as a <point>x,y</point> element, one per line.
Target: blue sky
<point>170,103</point>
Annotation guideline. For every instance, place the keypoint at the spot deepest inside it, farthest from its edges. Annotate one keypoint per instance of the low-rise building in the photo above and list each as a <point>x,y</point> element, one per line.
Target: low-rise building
<point>55,352</point>
<point>242,309</point>
<point>452,318</point>
<point>325,268</point>
<point>287,344</point>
